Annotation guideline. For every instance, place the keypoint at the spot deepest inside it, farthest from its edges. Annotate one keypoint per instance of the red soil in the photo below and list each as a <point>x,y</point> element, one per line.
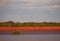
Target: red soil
<point>29,28</point>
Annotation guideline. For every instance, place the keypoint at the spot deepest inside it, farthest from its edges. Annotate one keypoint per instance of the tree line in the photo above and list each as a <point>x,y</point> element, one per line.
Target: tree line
<point>28,24</point>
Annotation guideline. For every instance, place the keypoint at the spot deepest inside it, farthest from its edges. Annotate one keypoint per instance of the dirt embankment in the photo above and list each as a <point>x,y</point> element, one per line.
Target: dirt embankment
<point>29,28</point>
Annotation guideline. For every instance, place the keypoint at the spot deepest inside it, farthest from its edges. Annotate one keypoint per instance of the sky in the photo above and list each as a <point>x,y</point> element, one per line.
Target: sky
<point>30,10</point>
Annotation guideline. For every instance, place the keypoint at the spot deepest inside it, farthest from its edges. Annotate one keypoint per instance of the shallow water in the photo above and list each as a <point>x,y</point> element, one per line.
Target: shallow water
<point>31,37</point>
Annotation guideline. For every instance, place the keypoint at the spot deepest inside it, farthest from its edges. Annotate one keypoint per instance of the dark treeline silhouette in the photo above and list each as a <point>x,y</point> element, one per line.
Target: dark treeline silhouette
<point>28,24</point>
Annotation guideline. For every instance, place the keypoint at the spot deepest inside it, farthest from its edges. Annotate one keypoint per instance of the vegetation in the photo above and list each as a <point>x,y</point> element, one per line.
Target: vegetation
<point>16,33</point>
<point>28,24</point>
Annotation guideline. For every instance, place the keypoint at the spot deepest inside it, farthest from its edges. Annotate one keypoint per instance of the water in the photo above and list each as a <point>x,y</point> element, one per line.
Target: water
<point>32,37</point>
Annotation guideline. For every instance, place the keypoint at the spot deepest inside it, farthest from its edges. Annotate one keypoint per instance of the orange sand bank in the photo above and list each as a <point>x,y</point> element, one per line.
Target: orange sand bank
<point>29,28</point>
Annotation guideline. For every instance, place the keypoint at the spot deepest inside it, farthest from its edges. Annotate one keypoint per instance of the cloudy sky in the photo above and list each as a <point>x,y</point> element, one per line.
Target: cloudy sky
<point>30,10</point>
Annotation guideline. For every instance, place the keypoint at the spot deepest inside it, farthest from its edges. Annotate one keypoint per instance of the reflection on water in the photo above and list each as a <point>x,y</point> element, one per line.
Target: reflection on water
<point>34,37</point>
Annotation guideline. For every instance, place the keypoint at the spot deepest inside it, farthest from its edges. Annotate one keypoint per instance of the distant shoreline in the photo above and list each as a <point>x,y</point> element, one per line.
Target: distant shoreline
<point>29,30</point>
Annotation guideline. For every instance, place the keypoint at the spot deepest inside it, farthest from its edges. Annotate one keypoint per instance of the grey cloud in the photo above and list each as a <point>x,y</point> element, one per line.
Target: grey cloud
<point>21,2</point>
